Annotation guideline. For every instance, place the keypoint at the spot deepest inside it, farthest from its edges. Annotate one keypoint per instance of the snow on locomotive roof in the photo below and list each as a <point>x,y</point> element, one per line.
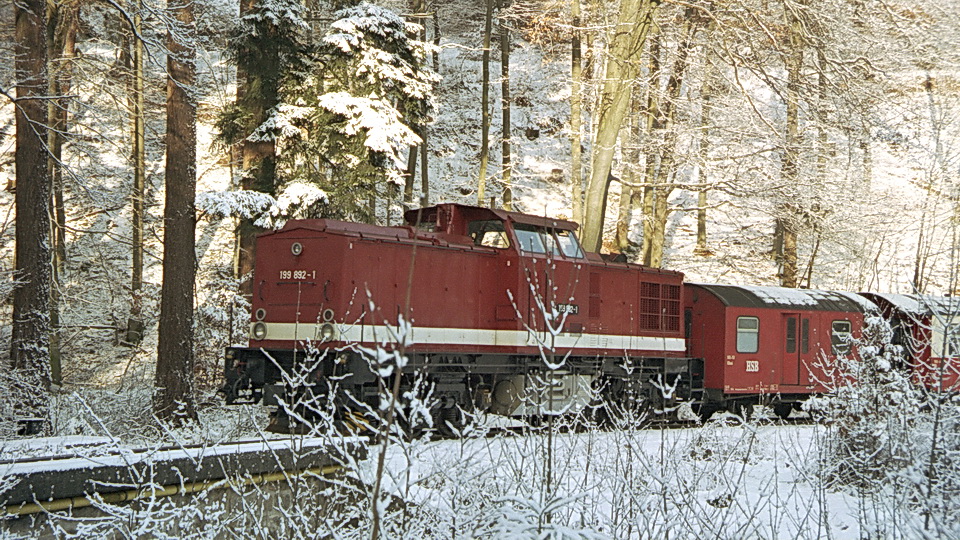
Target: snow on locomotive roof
<point>783,298</point>
<point>921,304</point>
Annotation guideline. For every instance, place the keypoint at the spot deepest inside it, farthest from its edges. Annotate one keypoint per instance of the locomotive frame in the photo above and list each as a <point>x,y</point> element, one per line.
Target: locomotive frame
<point>494,297</point>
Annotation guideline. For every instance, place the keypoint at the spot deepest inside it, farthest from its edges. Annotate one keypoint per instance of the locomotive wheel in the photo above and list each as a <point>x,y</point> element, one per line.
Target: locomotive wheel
<point>448,422</point>
<point>782,410</point>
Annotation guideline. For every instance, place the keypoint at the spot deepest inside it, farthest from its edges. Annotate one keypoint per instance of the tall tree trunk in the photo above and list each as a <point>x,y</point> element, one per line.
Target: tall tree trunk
<point>62,19</point>
<point>576,115</point>
<point>505,97</point>
<point>30,342</point>
<point>626,44</point>
<point>630,196</point>
<point>419,9</point>
<point>786,223</point>
<point>424,169</point>
<point>485,103</point>
<point>652,159</point>
<point>436,36</point>
<point>706,106</point>
<point>424,129</point>
<point>409,177</point>
<point>665,175</point>
<point>135,325</point>
<point>175,356</point>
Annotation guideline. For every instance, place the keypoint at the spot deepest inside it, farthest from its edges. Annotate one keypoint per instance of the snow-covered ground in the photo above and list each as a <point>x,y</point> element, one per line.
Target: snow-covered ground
<point>753,481</point>
<point>725,479</point>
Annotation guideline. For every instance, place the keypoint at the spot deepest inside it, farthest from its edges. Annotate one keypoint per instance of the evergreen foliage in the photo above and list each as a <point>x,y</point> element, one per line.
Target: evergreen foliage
<point>270,48</point>
<point>348,125</point>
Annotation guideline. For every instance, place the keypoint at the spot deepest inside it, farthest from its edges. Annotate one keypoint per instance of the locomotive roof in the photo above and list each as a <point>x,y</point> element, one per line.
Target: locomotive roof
<point>920,304</point>
<point>517,217</point>
<point>787,299</point>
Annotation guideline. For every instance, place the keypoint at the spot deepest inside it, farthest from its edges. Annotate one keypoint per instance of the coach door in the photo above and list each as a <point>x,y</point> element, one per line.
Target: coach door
<point>790,353</point>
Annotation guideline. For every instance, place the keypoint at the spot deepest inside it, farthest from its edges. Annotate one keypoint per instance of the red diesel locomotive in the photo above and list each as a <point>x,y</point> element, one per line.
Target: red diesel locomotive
<point>495,301</point>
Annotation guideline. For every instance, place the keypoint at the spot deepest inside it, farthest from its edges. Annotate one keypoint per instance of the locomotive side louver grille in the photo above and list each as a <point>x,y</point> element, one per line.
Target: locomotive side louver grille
<point>659,307</point>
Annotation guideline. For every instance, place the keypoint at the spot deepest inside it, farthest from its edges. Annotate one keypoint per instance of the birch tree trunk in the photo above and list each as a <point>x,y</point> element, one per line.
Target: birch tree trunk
<point>622,67</point>
<point>507,168</point>
<point>174,400</point>
<point>485,104</point>
<point>576,115</point>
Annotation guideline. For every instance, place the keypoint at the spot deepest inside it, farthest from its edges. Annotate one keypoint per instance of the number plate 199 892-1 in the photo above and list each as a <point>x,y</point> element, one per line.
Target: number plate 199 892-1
<point>298,274</point>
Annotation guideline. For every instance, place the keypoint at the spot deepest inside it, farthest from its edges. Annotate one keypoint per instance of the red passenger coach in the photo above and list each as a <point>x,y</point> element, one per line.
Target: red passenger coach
<point>927,330</point>
<point>491,296</point>
<point>767,344</point>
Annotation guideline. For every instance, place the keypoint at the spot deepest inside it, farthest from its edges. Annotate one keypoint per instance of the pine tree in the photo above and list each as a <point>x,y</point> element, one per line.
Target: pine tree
<point>30,352</point>
<point>271,51</point>
<point>353,119</point>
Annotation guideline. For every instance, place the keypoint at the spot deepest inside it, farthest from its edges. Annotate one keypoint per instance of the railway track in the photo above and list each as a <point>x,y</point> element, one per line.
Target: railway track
<point>68,481</point>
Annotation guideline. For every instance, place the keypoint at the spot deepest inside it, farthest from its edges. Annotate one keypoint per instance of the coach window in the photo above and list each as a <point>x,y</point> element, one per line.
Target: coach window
<point>840,337</point>
<point>748,334</point>
<point>805,336</point>
<point>952,335</point>
<point>791,334</point>
<point>489,233</point>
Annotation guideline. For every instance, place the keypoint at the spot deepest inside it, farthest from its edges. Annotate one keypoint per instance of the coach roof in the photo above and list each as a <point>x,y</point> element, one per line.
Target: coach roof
<point>787,299</point>
<point>921,304</point>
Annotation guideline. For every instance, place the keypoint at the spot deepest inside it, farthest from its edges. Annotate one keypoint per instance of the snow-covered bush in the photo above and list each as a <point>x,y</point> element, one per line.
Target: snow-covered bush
<point>222,320</point>
<point>891,438</point>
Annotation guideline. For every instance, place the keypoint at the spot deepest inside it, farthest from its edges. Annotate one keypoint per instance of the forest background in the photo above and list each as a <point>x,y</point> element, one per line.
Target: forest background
<point>808,143</point>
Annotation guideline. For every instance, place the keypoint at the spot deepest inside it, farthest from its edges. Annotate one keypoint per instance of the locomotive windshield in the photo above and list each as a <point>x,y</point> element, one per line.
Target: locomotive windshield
<point>534,239</point>
<point>489,233</point>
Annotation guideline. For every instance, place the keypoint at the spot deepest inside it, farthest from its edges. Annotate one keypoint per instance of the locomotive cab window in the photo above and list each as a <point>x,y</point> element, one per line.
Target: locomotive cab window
<point>533,239</point>
<point>569,246</point>
<point>490,233</point>
<point>748,334</point>
<point>530,238</point>
<point>840,337</point>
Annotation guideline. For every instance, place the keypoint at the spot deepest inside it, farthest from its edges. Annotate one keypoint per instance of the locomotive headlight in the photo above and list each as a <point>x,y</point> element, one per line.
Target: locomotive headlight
<point>328,332</point>
<point>259,331</point>
<point>327,315</point>
<point>296,248</point>
<point>260,314</point>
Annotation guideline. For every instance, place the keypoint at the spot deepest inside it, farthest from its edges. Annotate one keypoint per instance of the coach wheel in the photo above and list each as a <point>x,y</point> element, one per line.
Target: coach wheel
<point>782,410</point>
<point>743,408</point>
<point>598,415</point>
